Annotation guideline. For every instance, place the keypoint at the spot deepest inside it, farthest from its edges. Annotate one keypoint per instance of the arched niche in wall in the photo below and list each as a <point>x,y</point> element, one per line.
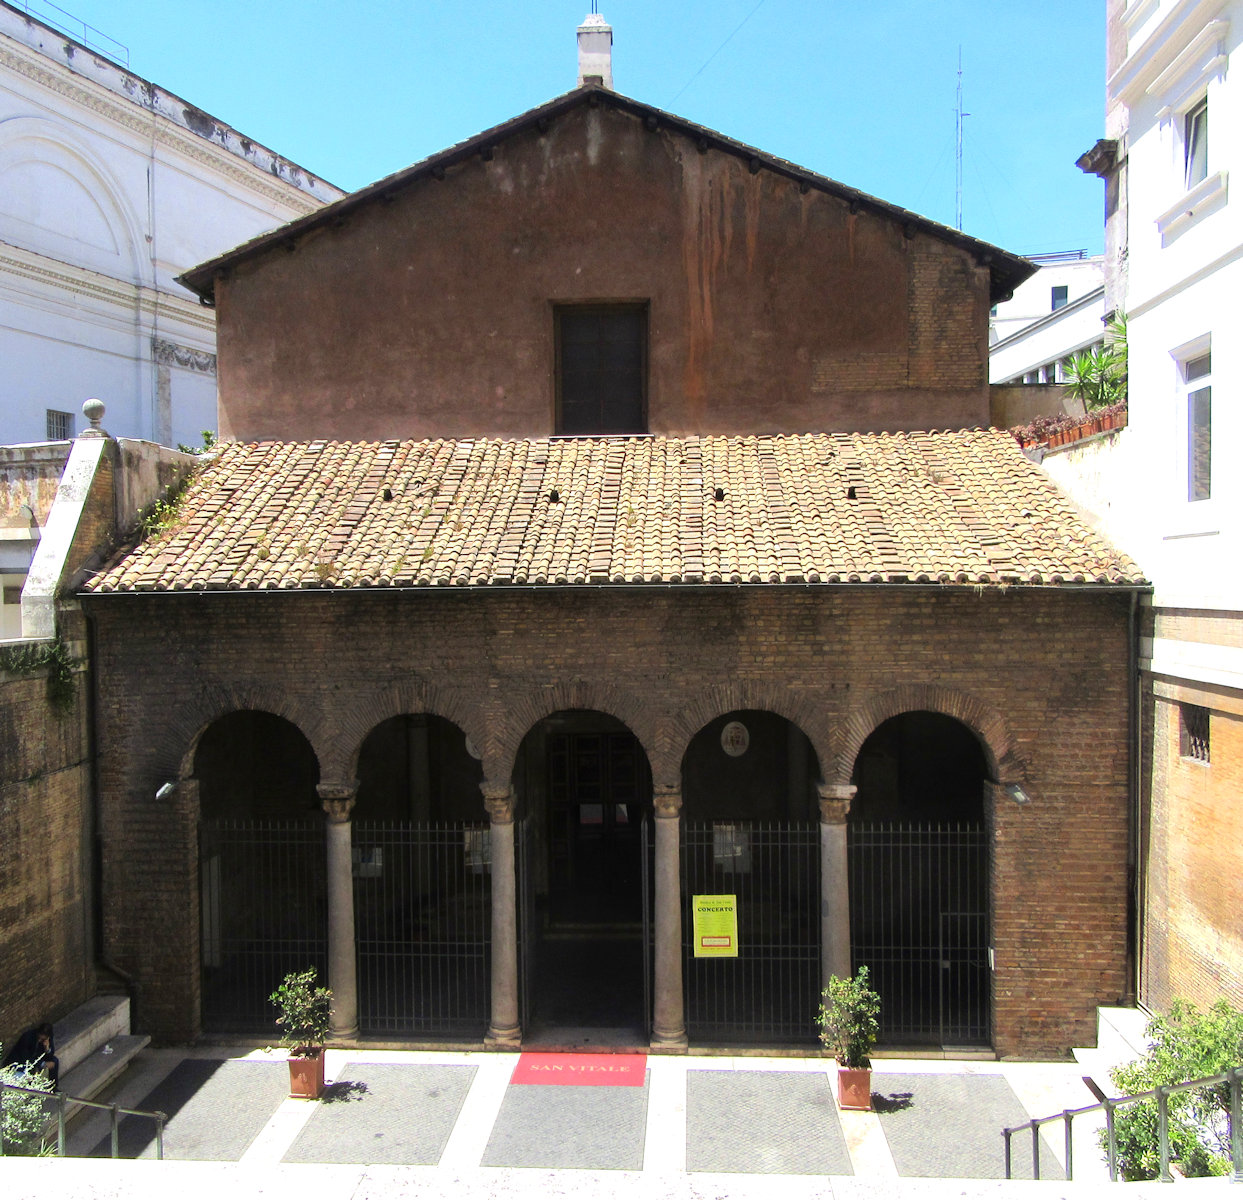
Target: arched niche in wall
<point>59,200</point>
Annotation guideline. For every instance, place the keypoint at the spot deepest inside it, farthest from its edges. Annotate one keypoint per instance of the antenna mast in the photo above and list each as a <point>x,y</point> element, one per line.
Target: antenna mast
<point>959,114</point>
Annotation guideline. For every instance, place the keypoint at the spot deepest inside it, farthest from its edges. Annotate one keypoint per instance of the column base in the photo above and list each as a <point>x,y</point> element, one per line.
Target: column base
<point>669,1043</point>
<point>343,1035</point>
<point>504,1039</point>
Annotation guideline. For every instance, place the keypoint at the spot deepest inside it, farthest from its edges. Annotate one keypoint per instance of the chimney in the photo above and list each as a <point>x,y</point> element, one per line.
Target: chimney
<point>595,51</point>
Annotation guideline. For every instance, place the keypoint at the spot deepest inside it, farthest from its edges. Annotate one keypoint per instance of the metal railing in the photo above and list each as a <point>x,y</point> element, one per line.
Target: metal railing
<point>1162,1094</point>
<point>62,1105</point>
<point>92,38</point>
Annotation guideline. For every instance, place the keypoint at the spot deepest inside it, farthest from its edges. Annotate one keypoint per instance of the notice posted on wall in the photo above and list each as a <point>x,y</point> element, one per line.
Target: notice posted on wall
<point>715,920</point>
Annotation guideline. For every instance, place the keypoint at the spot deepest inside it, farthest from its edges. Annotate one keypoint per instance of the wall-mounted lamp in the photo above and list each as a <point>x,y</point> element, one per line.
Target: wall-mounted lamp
<point>1017,794</point>
<point>165,790</point>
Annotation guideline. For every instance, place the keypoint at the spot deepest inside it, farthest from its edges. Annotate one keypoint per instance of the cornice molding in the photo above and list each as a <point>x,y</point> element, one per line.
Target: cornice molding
<point>1153,58</point>
<point>140,120</point>
<point>173,355</point>
<point>16,263</point>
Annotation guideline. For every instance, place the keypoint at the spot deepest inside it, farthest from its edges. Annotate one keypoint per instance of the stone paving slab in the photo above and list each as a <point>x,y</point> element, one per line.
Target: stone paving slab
<point>215,1109</point>
<point>384,1113</point>
<point>589,1128</point>
<point>763,1122</point>
<point>949,1126</point>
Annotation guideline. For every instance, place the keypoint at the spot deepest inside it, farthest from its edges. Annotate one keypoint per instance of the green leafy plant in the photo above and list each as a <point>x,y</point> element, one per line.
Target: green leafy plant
<point>210,441</point>
<point>1186,1044</point>
<point>849,1019</point>
<point>22,1117</point>
<point>1098,376</point>
<point>53,656</point>
<point>304,1011</point>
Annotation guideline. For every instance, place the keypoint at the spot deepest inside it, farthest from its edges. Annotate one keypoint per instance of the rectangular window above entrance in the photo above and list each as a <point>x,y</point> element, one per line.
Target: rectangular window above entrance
<point>601,369</point>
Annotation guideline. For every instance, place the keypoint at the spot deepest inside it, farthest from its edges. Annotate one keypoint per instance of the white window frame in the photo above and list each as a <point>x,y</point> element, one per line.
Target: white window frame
<point>1195,135</point>
<point>1192,518</point>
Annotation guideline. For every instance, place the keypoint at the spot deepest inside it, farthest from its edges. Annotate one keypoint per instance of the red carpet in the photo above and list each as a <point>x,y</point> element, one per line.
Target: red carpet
<point>582,1070</point>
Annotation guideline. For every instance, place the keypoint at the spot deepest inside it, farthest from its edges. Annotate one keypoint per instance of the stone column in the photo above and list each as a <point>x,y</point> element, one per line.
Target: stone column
<point>504,1031</point>
<point>338,802</point>
<point>668,1017</point>
<point>835,801</point>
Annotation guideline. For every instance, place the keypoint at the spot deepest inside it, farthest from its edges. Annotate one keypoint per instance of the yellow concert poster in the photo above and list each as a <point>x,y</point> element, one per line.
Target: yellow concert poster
<point>715,926</point>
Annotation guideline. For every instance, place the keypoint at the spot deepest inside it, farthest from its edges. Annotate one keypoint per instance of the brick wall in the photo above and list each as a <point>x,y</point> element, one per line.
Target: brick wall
<point>1042,674</point>
<point>772,308</point>
<point>1193,861</point>
<point>46,965</point>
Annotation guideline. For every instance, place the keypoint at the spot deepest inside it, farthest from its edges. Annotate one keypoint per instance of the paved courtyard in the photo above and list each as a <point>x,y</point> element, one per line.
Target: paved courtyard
<point>691,1116</point>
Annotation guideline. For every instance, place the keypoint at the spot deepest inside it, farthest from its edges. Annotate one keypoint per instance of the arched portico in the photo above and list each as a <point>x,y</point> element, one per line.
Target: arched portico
<point>751,841</point>
<point>919,853</point>
<point>263,887</point>
<point>583,798</point>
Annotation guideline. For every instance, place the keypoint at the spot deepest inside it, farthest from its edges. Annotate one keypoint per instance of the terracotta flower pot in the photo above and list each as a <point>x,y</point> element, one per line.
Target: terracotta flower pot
<point>854,1088</point>
<point>306,1077</point>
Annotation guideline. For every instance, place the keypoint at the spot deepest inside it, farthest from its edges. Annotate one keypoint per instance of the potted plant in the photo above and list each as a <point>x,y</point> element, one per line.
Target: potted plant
<point>848,1021</point>
<point>304,1011</point>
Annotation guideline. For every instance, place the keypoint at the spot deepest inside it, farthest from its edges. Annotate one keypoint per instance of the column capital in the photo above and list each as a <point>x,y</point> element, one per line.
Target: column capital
<point>337,800</point>
<point>667,801</point>
<point>498,799</point>
<point>835,801</point>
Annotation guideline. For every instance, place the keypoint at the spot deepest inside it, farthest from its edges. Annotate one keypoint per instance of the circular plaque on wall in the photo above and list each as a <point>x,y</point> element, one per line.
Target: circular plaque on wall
<point>735,739</point>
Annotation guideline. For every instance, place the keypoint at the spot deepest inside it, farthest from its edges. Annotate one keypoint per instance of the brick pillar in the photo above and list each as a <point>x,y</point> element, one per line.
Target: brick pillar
<point>835,801</point>
<point>338,802</point>
<point>504,1030</point>
<point>669,1017</point>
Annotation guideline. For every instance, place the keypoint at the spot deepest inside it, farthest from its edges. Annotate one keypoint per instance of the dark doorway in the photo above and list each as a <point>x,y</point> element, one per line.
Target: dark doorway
<point>422,881</point>
<point>262,867</point>
<point>585,795</point>
<point>919,880</point>
<point>750,831</point>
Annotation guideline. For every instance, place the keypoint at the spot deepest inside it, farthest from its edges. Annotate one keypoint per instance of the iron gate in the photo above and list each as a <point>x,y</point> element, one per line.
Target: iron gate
<point>769,993</point>
<point>919,921</point>
<point>422,913</point>
<point>264,913</point>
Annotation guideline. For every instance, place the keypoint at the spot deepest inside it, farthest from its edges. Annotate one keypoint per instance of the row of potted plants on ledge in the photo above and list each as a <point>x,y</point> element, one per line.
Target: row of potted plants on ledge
<point>1063,429</point>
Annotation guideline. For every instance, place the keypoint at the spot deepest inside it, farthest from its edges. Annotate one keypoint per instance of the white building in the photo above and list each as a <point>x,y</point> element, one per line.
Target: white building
<point>1165,487</point>
<point>1056,313</point>
<point>109,188</point>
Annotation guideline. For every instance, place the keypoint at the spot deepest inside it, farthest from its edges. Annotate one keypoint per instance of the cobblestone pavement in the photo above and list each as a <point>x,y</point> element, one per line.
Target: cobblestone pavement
<point>448,1119</point>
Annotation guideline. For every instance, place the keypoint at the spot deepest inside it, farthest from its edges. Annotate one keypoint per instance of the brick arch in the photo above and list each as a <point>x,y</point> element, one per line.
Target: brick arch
<point>524,712</point>
<point>178,742</point>
<point>1001,760</point>
<point>410,696</point>
<point>705,707</point>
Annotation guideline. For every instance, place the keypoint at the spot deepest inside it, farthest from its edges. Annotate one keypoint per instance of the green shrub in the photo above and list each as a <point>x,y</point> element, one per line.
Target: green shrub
<point>22,1117</point>
<point>1186,1044</point>
<point>849,1019</point>
<point>305,1012</point>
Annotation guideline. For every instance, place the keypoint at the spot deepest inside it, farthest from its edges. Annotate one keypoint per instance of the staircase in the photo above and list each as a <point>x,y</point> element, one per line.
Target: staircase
<point>94,1045</point>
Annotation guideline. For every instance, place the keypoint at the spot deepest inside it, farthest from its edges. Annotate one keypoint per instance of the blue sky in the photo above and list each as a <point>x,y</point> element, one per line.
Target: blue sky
<point>860,91</point>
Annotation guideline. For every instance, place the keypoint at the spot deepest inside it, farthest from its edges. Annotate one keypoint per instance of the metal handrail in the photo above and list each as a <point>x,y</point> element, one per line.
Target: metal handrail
<point>62,1103</point>
<point>1162,1094</point>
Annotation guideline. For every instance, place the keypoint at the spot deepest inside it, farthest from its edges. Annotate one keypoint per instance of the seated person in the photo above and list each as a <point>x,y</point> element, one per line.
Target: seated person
<point>35,1051</point>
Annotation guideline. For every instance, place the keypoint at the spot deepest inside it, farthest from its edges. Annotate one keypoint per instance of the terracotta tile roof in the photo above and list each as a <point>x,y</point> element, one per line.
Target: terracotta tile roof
<point>963,508</point>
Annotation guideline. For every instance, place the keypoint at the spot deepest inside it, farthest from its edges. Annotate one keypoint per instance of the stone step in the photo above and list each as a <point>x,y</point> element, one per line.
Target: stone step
<point>99,1069</point>
<point>1120,1039</point>
<point>82,1032</point>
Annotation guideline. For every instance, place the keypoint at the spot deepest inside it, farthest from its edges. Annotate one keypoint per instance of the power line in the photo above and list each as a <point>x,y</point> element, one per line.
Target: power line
<point>717,51</point>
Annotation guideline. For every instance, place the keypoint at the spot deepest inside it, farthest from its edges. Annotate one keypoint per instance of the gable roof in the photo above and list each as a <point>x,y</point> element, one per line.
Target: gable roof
<point>1006,270</point>
<point>952,508</point>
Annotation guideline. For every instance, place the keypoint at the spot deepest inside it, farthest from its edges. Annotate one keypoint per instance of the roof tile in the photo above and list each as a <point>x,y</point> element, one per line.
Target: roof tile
<point>964,508</point>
